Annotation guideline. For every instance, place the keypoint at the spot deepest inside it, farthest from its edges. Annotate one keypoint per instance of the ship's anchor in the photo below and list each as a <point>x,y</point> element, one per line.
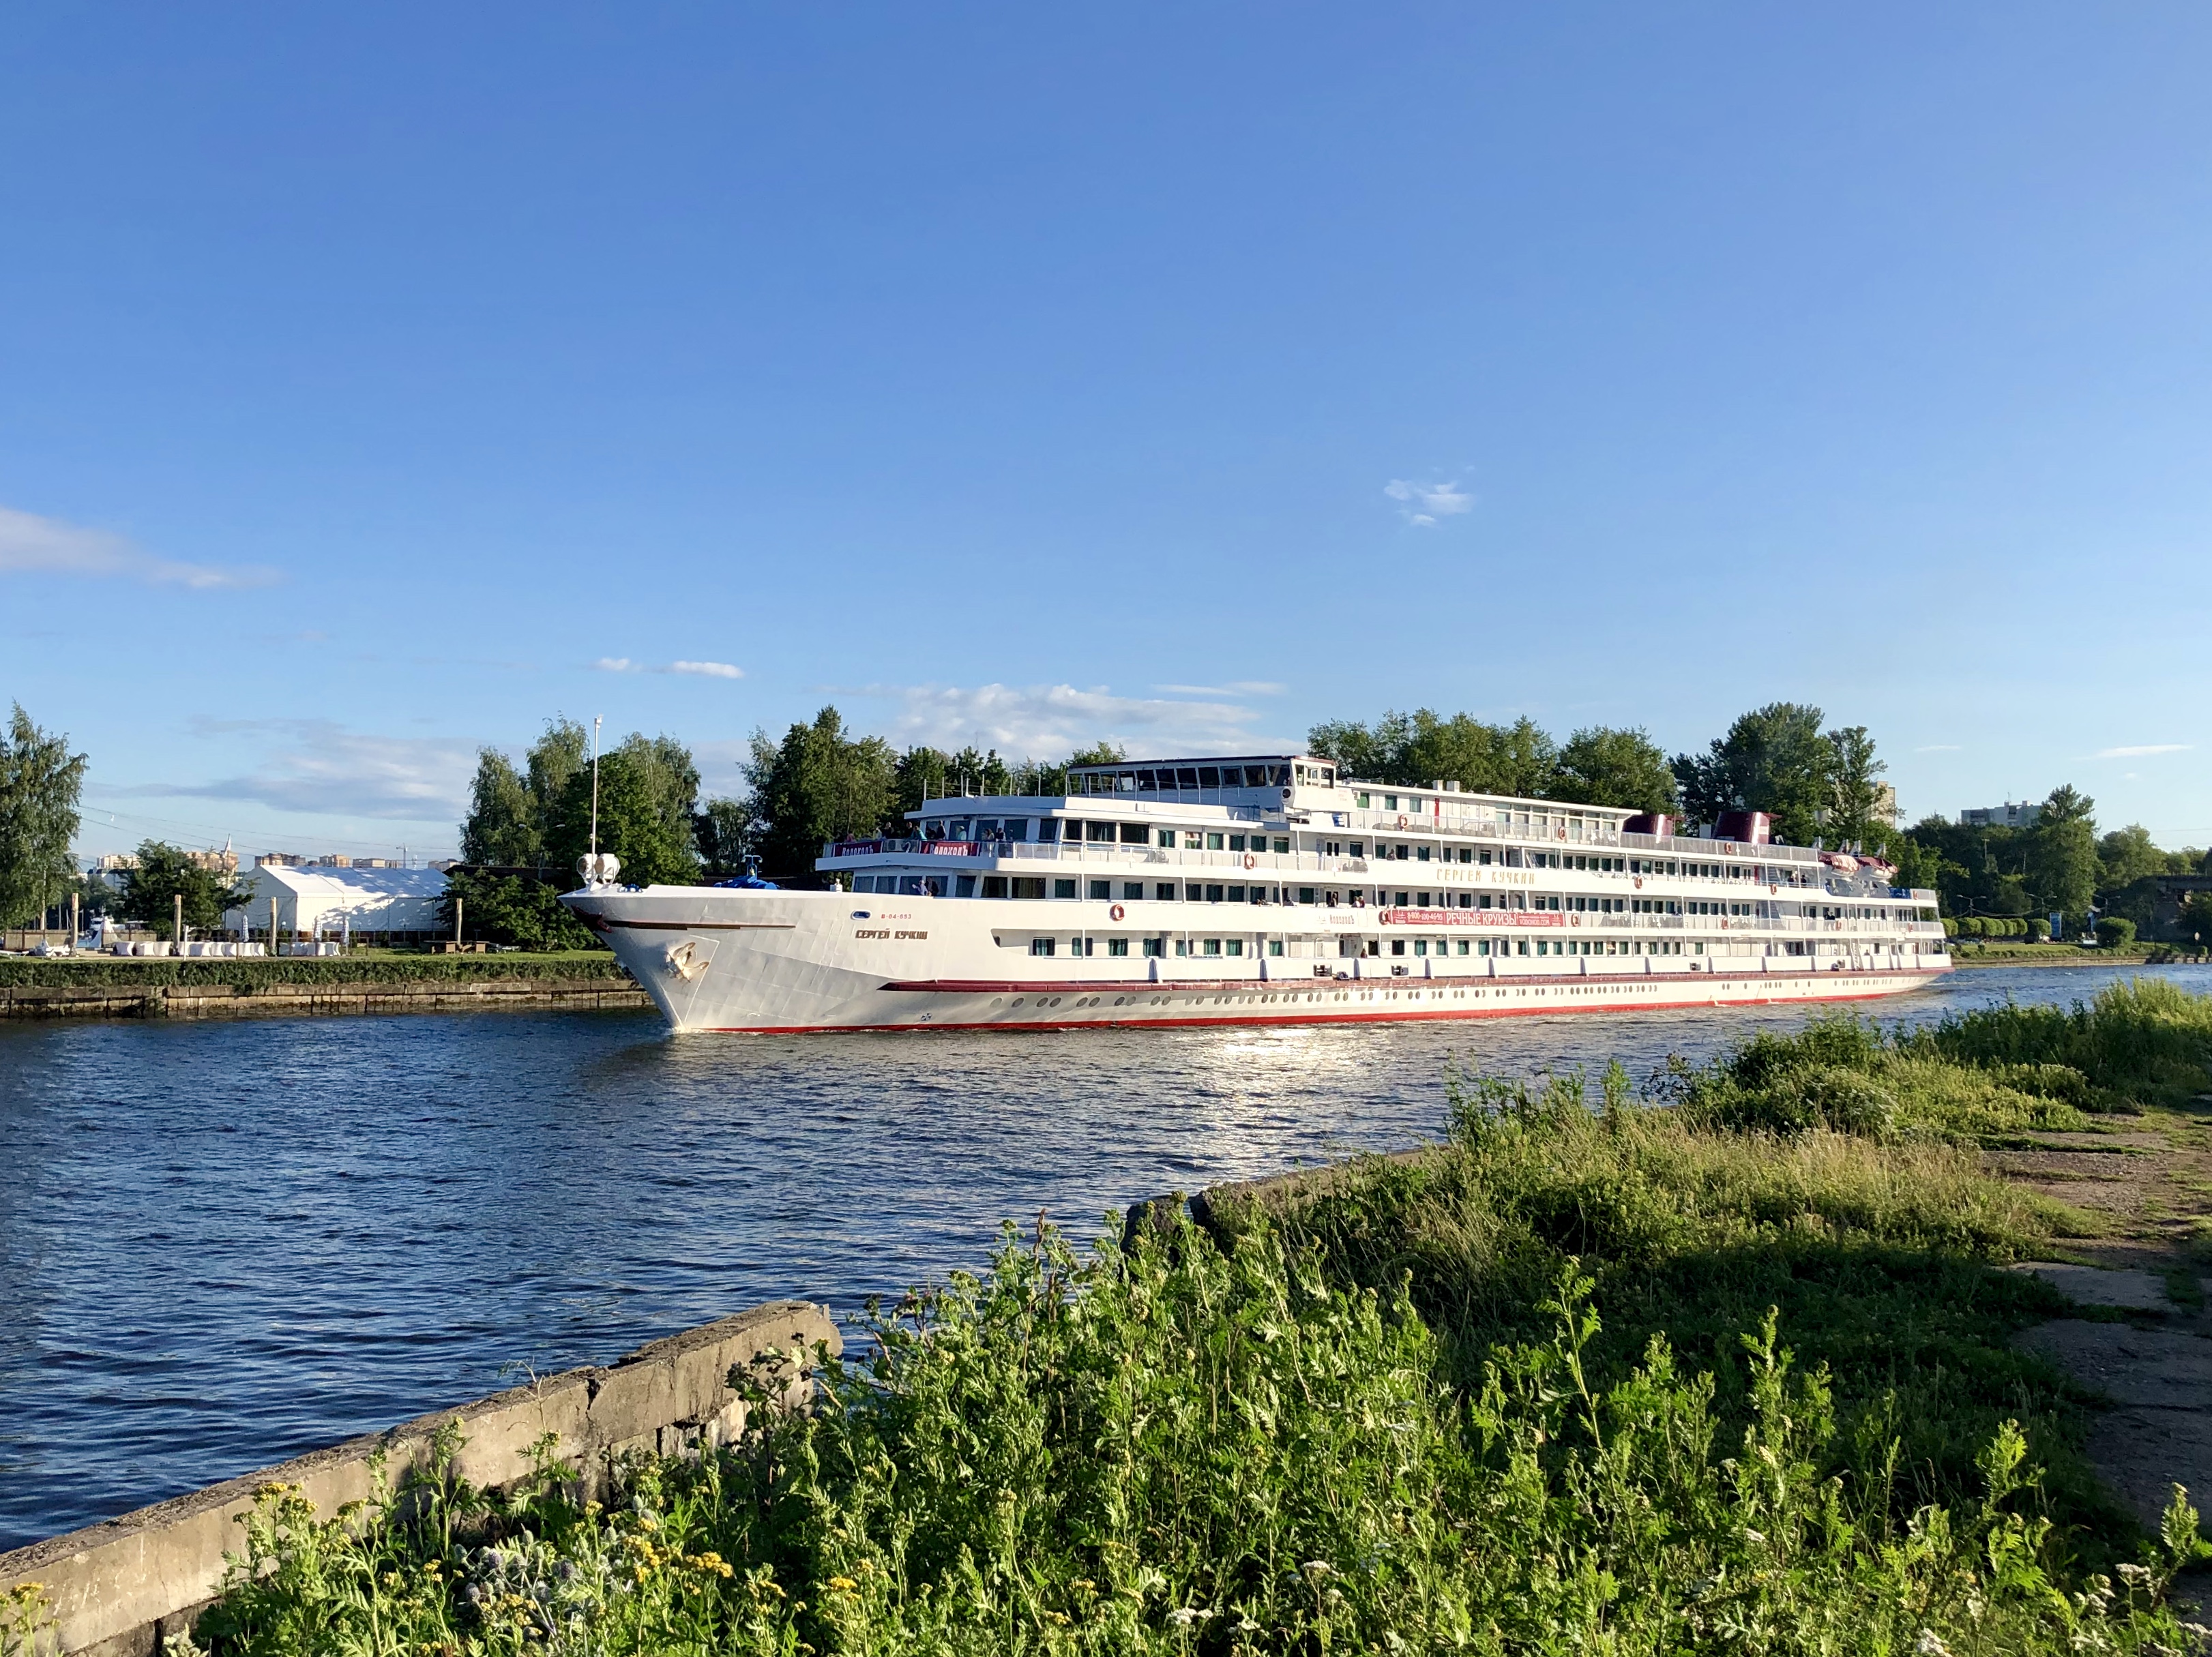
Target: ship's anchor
<point>683,959</point>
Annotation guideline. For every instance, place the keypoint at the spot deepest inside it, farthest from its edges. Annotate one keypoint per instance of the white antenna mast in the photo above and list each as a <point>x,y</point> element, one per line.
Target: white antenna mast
<point>596,718</point>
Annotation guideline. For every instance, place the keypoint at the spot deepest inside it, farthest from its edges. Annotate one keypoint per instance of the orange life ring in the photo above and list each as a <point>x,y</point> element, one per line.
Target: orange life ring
<point>1574,921</point>
<point>1563,834</point>
<point>1251,862</point>
<point>1402,819</point>
<point>1639,882</point>
<point>1116,912</point>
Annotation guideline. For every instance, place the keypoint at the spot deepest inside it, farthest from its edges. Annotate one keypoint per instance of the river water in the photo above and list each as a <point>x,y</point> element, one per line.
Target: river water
<point>224,1243</point>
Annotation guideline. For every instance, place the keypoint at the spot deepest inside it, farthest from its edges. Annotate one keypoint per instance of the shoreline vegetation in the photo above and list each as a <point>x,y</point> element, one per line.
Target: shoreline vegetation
<point>1723,1362</point>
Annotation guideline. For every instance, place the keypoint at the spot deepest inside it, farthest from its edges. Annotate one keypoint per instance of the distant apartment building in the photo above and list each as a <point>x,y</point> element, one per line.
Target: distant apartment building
<point>1885,804</point>
<point>2011,815</point>
<point>224,862</point>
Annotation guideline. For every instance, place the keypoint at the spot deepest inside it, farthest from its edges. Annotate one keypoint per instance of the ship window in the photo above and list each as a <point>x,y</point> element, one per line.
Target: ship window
<point>1134,890</point>
<point>1028,886</point>
<point>1117,946</point>
<point>1282,846</point>
<point>1186,777</point>
<point>1237,946</point>
<point>1048,830</point>
<point>1422,854</point>
<point>1420,946</point>
<point>933,884</point>
<point>1165,892</point>
<point>1213,946</point>
<point>1484,859</point>
<point>1209,776</point>
<point>1235,894</point>
<point>1041,946</point>
<point>1213,842</point>
<point>1236,842</point>
<point>1018,828</point>
<point>1063,888</point>
<point>995,886</point>
<point>1462,946</point>
<point>1101,831</point>
<point>1082,946</point>
<point>1212,894</point>
<point>1390,802</point>
<point>1397,946</point>
<point>964,886</point>
<point>1274,946</point>
<point>1135,834</point>
<point>1167,837</point>
<point>1156,947</point>
<point>1482,902</point>
<point>933,829</point>
<point>1466,900</point>
<point>1365,802</point>
<point>1101,890</point>
<point>1358,848</point>
<point>1192,842</point>
<point>1305,893</point>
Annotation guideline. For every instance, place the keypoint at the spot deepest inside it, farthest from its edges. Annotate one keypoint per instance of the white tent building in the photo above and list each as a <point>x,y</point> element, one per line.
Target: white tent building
<point>371,905</point>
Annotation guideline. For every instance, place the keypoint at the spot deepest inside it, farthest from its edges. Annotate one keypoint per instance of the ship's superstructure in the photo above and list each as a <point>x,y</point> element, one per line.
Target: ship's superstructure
<point>1268,890</point>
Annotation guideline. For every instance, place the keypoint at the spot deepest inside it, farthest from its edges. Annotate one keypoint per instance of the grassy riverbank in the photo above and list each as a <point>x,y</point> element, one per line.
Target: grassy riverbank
<point>380,967</point>
<point>1971,952</point>
<point>1726,1366</point>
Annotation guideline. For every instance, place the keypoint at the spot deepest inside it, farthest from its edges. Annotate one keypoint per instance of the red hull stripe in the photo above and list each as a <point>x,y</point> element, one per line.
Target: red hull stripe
<point>1217,986</point>
<point>1407,1016</point>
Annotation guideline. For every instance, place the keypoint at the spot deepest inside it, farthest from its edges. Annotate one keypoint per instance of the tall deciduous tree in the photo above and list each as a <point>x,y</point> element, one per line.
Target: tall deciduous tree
<point>1602,766</point>
<point>648,791</point>
<point>2127,855</point>
<point>2062,865</point>
<point>1774,760</point>
<point>1421,748</point>
<point>818,785</point>
<point>503,825</point>
<point>1854,816</point>
<point>41,783</point>
<point>166,873</point>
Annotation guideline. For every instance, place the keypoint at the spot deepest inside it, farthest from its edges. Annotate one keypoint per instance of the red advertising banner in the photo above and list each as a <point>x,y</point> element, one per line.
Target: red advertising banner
<point>1471,917</point>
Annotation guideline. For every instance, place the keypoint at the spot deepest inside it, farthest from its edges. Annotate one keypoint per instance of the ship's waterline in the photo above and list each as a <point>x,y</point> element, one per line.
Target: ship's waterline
<point>1268,890</point>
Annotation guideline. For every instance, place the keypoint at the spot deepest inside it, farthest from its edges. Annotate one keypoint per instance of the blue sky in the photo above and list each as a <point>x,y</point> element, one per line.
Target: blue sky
<point>371,381</point>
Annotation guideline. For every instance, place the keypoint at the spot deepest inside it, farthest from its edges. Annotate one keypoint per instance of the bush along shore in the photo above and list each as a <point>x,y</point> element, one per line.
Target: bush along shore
<point>1723,1366</point>
<point>74,972</point>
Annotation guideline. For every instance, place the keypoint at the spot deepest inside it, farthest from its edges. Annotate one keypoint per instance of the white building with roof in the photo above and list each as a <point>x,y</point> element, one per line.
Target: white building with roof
<point>382,904</point>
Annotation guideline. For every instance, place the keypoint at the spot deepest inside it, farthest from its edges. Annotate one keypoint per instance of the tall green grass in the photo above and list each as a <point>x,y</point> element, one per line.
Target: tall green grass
<point>2145,1040</point>
<point>1184,1448</point>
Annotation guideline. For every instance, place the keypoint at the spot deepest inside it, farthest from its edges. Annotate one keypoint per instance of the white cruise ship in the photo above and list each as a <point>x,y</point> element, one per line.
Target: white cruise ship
<point>1265,889</point>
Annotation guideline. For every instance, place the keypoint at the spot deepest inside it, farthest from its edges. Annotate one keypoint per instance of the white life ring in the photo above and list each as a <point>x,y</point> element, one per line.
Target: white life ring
<point>1116,912</point>
<point>1251,862</point>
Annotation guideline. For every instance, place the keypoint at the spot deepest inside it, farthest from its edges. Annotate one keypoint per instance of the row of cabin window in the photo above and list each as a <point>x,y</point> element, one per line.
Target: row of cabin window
<point>1168,891</point>
<point>1233,948</point>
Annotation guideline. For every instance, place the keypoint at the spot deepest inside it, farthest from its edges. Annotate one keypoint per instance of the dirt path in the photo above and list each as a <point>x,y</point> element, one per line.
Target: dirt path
<point>2148,1181</point>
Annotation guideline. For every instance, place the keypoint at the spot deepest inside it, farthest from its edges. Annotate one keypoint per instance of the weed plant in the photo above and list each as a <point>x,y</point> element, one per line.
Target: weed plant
<point>2146,1042</point>
<point>1183,1449</point>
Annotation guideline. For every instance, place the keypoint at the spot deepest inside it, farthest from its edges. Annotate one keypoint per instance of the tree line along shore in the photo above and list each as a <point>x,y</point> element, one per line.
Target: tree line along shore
<point>1727,1359</point>
<point>527,822</point>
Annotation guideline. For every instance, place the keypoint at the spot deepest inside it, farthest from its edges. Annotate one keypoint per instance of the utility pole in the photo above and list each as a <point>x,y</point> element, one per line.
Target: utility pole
<point>272,923</point>
<point>178,932</point>
<point>457,902</point>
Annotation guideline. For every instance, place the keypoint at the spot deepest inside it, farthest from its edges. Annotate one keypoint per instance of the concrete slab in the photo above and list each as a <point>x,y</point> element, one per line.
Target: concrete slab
<point>2090,1285</point>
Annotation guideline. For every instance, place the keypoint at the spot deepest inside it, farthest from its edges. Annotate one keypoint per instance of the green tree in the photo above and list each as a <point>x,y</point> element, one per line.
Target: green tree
<point>1420,749</point>
<point>2061,862</point>
<point>818,785</point>
<point>1853,813</point>
<point>723,832</point>
<point>41,783</point>
<point>166,872</point>
<point>2196,917</point>
<point>1774,760</point>
<point>644,813</point>
<point>553,761</point>
<point>504,824</point>
<point>1922,866</point>
<point>2127,855</point>
<point>513,909</point>
<point>1602,766</point>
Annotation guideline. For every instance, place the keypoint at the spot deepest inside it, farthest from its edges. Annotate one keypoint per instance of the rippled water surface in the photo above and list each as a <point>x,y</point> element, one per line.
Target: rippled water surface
<point>222,1244</point>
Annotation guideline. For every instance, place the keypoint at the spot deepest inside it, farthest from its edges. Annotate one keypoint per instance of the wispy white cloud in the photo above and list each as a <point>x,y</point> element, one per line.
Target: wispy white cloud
<point>1051,720</point>
<point>30,544</point>
<point>321,766</point>
<point>1423,504</point>
<point>2142,750</point>
<point>1940,748</point>
<point>697,670</point>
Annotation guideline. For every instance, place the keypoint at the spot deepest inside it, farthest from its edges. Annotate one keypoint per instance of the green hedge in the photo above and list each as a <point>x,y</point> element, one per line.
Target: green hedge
<point>87,971</point>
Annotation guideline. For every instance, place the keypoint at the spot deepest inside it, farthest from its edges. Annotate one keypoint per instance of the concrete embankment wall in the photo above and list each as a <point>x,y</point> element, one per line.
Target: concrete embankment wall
<point>224,1000</point>
<point>115,1589</point>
